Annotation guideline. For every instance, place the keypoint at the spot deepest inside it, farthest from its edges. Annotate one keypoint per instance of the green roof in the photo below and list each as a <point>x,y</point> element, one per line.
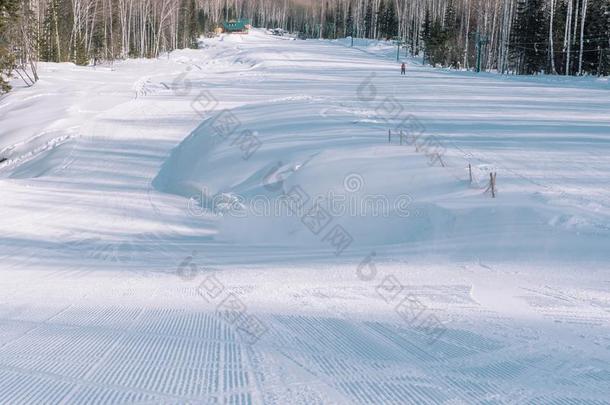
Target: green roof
<point>237,25</point>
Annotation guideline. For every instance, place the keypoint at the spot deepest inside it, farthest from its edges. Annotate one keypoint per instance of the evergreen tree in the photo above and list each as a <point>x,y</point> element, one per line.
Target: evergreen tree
<point>530,37</point>
<point>441,38</point>
<point>330,26</point>
<point>450,29</point>
<point>450,19</point>
<point>597,37</point>
<point>437,44</point>
<point>49,50</point>
<point>202,21</point>
<point>338,21</point>
<point>519,36</point>
<point>8,12</point>
<point>388,25</point>
<point>559,24</point>
<point>349,23</point>
<point>426,34</point>
<point>368,20</point>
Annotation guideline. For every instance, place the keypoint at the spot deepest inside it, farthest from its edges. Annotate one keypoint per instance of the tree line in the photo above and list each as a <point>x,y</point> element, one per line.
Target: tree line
<point>569,37</point>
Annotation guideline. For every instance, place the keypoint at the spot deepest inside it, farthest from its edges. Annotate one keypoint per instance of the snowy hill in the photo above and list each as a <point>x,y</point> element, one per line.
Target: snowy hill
<point>140,199</point>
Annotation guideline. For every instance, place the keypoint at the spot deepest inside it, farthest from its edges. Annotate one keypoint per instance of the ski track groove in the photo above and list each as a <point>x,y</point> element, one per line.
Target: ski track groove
<point>133,353</point>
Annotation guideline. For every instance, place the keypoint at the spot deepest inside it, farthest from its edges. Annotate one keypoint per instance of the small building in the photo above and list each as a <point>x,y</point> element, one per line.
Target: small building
<point>241,26</point>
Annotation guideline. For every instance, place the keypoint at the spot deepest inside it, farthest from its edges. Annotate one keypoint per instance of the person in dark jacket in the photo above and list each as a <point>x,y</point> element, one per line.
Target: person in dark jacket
<point>403,69</point>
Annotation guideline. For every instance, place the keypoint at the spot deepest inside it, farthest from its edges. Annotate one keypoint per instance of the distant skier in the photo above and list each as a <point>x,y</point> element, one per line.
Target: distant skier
<point>403,69</point>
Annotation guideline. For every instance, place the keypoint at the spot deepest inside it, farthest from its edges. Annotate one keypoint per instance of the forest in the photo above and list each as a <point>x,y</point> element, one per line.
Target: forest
<point>564,37</point>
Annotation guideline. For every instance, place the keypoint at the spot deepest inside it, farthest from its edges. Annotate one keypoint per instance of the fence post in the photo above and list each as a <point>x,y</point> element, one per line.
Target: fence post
<point>401,136</point>
<point>492,182</point>
<point>389,135</point>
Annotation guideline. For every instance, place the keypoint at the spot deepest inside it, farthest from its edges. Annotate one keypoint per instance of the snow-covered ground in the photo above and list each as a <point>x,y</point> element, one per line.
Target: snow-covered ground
<point>231,225</point>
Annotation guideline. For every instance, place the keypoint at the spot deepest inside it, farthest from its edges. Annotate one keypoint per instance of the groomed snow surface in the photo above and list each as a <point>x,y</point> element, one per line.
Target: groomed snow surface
<point>231,225</point>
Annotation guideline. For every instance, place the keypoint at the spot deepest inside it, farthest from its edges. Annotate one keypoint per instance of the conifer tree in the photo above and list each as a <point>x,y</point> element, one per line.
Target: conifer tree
<point>529,37</point>
<point>8,11</point>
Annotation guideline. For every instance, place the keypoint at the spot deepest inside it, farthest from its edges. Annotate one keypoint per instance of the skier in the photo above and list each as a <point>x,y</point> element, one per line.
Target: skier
<point>403,69</point>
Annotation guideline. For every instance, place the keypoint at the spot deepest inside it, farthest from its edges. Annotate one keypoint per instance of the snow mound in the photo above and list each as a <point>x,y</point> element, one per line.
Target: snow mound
<point>382,195</point>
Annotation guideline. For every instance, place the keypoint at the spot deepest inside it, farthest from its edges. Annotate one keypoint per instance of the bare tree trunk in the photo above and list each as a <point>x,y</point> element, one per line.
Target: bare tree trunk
<point>467,37</point>
<point>567,40</point>
<point>582,34</point>
<point>551,45</point>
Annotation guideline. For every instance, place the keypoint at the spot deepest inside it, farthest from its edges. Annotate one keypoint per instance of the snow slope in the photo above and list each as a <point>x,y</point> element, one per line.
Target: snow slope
<point>132,219</point>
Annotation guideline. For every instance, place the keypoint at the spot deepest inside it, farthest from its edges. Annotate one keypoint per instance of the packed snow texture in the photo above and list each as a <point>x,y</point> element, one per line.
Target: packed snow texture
<point>152,251</point>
